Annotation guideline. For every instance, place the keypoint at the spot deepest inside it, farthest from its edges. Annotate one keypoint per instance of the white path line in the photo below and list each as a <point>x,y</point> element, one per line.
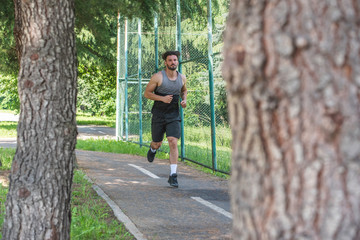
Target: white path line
<point>101,132</point>
<point>213,207</point>
<point>144,171</point>
<point>117,212</point>
<point>93,129</point>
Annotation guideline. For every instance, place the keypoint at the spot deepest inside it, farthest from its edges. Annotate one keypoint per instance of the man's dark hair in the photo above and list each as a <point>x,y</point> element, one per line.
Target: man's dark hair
<point>169,53</point>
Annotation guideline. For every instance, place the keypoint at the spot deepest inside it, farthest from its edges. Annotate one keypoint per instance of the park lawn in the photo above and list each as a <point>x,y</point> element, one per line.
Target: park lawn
<point>8,129</point>
<point>87,119</point>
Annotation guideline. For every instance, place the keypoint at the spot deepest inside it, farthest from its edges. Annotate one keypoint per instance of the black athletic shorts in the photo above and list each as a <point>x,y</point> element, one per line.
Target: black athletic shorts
<point>161,125</point>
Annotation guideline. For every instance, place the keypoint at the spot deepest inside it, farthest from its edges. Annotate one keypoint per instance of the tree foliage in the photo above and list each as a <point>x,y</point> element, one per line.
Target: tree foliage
<point>94,96</point>
<point>96,33</point>
<point>9,97</point>
<point>8,63</point>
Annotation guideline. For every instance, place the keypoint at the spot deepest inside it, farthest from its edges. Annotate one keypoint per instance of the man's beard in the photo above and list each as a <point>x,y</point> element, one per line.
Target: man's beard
<point>172,67</point>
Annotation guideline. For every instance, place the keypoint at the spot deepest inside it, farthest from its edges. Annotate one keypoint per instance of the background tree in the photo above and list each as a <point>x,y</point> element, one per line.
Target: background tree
<point>38,201</point>
<point>292,72</point>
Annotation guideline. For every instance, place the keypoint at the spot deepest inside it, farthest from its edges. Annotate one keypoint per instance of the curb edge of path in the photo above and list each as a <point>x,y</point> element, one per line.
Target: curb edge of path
<point>120,215</point>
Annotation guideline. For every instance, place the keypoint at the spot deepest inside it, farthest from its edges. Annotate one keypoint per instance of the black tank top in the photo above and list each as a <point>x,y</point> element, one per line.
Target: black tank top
<point>168,87</point>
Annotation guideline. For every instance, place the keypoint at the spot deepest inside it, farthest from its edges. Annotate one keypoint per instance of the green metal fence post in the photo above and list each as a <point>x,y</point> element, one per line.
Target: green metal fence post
<point>140,89</point>
<point>126,83</point>
<point>118,82</point>
<point>211,86</point>
<point>178,43</point>
<point>156,43</point>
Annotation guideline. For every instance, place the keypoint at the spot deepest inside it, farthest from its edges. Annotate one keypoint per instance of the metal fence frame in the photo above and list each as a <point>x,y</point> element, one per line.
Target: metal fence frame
<point>122,111</point>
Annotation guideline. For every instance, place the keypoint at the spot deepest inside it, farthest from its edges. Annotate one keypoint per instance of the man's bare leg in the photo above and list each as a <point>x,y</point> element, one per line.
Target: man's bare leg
<point>152,151</point>
<point>174,152</point>
<point>174,155</point>
<point>155,145</point>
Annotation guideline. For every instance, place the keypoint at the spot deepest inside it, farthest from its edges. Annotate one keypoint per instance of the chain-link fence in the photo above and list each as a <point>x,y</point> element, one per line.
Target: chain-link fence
<point>206,132</point>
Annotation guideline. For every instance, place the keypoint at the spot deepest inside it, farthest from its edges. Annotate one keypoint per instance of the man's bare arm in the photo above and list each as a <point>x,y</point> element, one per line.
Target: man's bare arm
<point>183,93</point>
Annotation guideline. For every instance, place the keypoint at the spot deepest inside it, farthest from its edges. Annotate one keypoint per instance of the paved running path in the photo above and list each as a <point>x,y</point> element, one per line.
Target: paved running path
<point>198,209</point>
<point>8,117</point>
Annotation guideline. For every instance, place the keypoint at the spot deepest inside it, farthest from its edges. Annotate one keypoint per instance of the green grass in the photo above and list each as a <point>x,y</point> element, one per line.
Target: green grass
<point>87,119</point>
<point>198,135</point>
<point>92,218</point>
<point>6,156</point>
<point>9,111</point>
<point>3,193</point>
<point>113,146</point>
<point>8,129</point>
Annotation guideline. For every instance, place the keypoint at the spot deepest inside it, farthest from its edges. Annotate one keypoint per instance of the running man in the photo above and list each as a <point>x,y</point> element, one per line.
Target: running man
<point>165,88</point>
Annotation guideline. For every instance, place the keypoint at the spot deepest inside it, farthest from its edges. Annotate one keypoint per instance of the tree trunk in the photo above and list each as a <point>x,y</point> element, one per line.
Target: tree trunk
<point>293,75</point>
<point>38,201</point>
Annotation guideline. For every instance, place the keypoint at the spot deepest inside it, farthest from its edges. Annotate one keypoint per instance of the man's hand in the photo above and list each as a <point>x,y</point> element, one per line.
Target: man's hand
<point>167,98</point>
<point>183,103</point>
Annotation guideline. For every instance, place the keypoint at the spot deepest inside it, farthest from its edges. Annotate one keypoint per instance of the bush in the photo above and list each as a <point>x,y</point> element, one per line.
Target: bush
<point>9,97</point>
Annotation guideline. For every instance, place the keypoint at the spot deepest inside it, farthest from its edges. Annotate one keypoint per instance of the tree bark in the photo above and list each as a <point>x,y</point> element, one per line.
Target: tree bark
<point>38,201</point>
<point>293,75</point>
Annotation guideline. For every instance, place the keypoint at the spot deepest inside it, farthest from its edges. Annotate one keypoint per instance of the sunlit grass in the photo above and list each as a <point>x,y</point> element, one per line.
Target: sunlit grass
<point>87,119</point>
<point>92,218</point>
<point>8,129</point>
<point>9,111</point>
<point>6,156</point>
<point>3,193</point>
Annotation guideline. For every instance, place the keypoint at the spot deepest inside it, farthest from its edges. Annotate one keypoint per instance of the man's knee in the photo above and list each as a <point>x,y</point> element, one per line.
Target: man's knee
<point>155,145</point>
<point>172,141</point>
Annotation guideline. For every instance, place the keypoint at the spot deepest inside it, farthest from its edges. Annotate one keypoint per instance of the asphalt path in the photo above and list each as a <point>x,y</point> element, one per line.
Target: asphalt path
<point>8,117</point>
<point>85,132</point>
<point>198,209</point>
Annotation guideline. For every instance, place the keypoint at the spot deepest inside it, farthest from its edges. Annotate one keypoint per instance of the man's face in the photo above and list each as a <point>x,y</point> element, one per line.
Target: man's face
<point>171,62</point>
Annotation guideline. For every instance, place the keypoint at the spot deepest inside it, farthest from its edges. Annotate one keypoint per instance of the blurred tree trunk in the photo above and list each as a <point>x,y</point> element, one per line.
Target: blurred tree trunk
<point>293,75</point>
<point>38,202</point>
